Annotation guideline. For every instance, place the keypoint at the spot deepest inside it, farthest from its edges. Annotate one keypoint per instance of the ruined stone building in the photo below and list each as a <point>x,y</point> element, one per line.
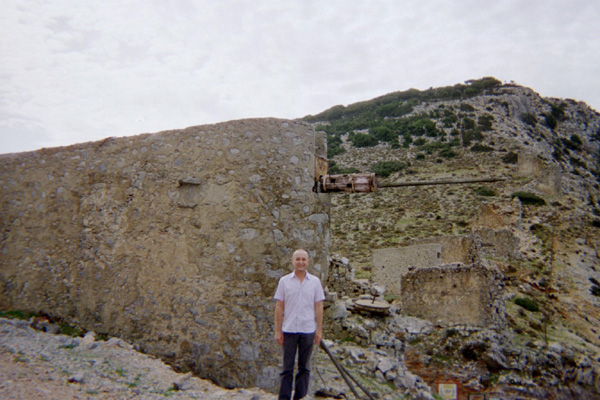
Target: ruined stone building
<point>173,241</point>
<point>446,279</point>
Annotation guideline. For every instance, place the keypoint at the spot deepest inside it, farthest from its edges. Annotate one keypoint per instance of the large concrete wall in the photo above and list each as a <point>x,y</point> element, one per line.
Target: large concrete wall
<point>456,294</point>
<point>174,241</point>
<point>391,264</point>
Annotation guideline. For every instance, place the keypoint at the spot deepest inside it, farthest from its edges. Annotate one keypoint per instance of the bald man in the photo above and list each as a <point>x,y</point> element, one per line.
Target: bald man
<point>298,323</point>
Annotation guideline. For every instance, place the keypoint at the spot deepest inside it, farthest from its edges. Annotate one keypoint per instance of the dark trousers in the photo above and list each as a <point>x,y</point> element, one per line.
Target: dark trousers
<point>302,343</point>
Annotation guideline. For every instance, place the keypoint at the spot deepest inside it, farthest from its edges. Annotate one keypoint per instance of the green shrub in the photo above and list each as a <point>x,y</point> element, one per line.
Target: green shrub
<point>364,140</point>
<point>481,148</point>
<point>510,158</point>
<point>550,121</point>
<point>420,142</point>
<point>527,303</point>
<point>467,123</point>
<point>529,119</point>
<point>334,150</point>
<point>421,125</point>
<point>447,153</point>
<point>466,107</point>
<point>485,122</point>
<point>558,112</point>
<point>384,133</point>
<point>468,136</point>
<point>334,146</point>
<point>386,168</point>
<point>474,351</point>
<point>576,139</point>
<point>451,332</point>
<point>529,198</point>
<point>573,143</point>
<point>335,169</point>
<point>485,191</point>
<point>449,119</point>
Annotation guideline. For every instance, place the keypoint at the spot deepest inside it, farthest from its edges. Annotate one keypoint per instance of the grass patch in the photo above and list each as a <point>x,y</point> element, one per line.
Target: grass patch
<point>171,391</point>
<point>70,330</point>
<point>16,314</point>
<point>390,298</point>
<point>135,382</point>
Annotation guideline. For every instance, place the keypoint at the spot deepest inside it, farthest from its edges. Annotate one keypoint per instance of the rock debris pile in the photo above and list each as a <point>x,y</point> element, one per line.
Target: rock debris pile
<point>36,365</point>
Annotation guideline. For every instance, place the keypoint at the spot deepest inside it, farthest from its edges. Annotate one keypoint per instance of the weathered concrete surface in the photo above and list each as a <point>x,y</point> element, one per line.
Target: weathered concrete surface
<point>174,241</point>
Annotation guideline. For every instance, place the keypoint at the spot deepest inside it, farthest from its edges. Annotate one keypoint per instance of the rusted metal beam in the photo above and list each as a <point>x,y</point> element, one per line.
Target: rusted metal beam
<point>441,182</point>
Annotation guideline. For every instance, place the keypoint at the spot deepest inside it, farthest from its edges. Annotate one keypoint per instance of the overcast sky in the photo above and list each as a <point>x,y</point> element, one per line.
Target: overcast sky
<point>73,71</point>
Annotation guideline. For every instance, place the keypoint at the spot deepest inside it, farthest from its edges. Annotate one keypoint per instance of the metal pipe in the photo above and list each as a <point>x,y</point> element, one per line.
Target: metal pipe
<point>339,368</point>
<point>441,182</point>
<point>345,374</point>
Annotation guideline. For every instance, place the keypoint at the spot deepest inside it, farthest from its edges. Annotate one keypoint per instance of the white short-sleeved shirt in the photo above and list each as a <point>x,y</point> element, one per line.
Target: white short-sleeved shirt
<point>299,302</point>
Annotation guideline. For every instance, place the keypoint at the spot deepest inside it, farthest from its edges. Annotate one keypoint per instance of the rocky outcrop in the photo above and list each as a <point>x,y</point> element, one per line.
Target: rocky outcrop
<point>173,241</point>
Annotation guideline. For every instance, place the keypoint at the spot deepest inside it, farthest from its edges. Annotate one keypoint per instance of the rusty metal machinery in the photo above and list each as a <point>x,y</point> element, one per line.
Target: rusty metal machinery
<point>366,183</point>
<point>348,183</point>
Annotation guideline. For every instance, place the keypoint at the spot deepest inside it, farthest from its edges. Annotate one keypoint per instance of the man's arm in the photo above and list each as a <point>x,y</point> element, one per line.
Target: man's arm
<point>319,317</point>
<point>279,322</point>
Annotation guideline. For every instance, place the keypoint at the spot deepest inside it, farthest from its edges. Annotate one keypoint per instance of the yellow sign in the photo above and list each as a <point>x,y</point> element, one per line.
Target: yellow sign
<point>448,391</point>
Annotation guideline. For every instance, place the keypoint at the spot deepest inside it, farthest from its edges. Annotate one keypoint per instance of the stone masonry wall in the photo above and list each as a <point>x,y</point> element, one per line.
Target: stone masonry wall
<point>174,241</point>
<point>391,264</point>
<point>498,224</point>
<point>448,295</point>
<point>341,280</point>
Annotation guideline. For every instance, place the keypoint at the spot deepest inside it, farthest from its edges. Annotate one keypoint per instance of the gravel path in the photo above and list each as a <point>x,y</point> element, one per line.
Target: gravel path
<point>37,365</point>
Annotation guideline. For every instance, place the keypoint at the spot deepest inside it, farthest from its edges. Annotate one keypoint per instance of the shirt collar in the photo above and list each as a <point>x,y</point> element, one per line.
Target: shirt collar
<point>306,277</point>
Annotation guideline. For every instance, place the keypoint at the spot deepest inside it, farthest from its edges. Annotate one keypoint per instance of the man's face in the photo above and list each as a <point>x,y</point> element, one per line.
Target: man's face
<point>300,261</point>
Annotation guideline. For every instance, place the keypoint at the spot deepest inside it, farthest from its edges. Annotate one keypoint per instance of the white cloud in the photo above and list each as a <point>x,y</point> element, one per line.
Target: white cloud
<point>77,71</point>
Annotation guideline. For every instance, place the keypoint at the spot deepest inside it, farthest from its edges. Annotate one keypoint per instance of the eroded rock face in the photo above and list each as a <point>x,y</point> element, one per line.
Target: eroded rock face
<point>174,241</point>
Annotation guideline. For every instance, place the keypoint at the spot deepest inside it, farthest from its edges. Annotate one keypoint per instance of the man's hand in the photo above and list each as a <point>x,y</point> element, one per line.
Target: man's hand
<point>319,319</point>
<point>318,336</point>
<point>279,321</point>
<point>279,337</point>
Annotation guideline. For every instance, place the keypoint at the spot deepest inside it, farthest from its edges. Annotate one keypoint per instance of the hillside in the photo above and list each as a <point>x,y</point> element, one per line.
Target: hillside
<point>547,151</point>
